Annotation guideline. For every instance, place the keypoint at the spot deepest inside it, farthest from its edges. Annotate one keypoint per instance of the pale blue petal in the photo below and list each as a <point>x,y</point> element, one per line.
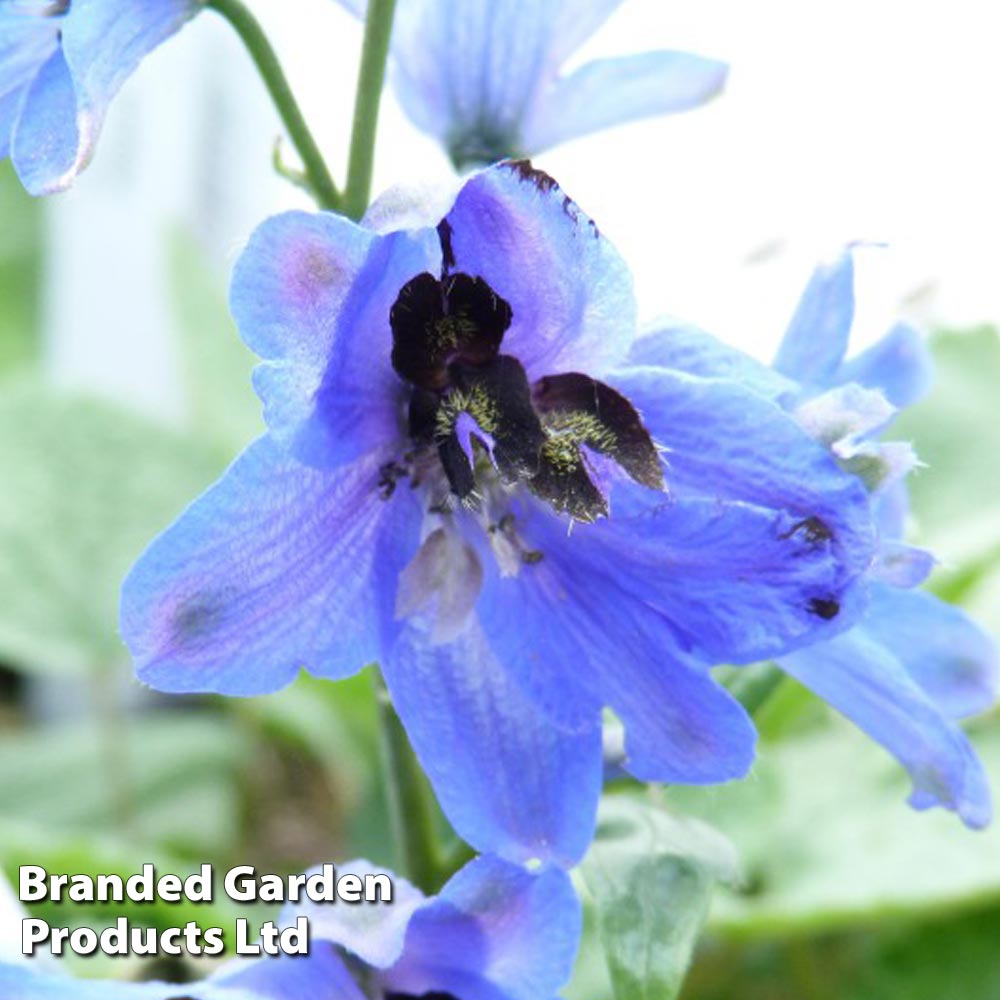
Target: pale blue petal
<point>575,22</point>
<point>902,565</point>
<point>45,147</point>
<point>900,365</point>
<point>723,440</point>
<point>275,568</point>
<point>311,295</point>
<point>374,932</point>
<point>320,974</point>
<point>867,683</point>
<point>510,782</point>
<point>816,339</point>
<point>26,44</point>
<point>610,92</point>
<point>685,348</point>
<point>570,291</point>
<point>495,931</point>
<point>941,647</point>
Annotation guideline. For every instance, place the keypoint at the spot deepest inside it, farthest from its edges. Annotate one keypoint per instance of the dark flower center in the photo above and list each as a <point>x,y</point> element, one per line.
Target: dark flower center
<point>433,995</point>
<point>477,408</point>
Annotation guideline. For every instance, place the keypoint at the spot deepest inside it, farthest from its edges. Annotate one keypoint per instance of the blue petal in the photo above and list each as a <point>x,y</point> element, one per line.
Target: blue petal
<point>374,932</point>
<point>610,92</point>
<point>276,567</point>
<point>46,147</point>
<point>26,44</point>
<point>570,291</point>
<point>902,565</point>
<point>862,679</point>
<point>687,349</point>
<point>494,931</point>
<point>943,650</point>
<point>510,782</point>
<point>311,295</point>
<point>723,440</point>
<point>816,339</point>
<point>321,973</point>
<point>900,365</point>
<point>575,22</point>
<point>24,981</point>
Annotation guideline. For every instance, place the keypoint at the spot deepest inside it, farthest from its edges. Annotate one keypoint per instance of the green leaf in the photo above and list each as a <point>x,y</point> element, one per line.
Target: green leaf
<point>651,876</point>
<point>20,270</point>
<point>86,486</point>
<point>216,363</point>
<point>827,839</point>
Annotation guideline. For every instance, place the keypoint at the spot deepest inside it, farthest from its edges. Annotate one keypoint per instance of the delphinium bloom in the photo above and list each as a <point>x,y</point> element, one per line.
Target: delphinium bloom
<point>484,77</point>
<point>455,485</point>
<point>914,664</point>
<point>494,932</point>
<point>61,63</point>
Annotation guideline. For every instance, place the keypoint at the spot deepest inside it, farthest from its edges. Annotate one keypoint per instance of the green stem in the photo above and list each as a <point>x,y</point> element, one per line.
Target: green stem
<point>256,41</point>
<point>754,686</point>
<point>371,76</point>
<point>412,811</point>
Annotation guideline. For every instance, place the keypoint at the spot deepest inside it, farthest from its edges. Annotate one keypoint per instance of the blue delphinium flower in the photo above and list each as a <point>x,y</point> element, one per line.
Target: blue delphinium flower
<point>484,76</point>
<point>61,63</point>
<point>494,932</point>
<point>443,407</point>
<point>914,664</point>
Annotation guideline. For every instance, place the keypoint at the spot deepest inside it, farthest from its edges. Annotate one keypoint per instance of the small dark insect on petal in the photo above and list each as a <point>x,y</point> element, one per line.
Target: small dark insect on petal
<point>824,607</point>
<point>813,529</point>
<point>598,416</point>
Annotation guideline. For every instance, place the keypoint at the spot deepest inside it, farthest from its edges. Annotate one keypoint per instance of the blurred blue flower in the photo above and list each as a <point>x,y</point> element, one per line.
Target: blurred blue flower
<point>494,932</point>
<point>484,77</point>
<point>444,405</point>
<point>61,63</point>
<point>914,664</point>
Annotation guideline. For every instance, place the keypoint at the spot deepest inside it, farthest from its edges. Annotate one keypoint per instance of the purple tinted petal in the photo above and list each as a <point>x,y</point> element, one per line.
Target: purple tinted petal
<point>570,292</point>
<point>576,21</point>
<point>311,295</point>
<point>46,148</point>
<point>321,973</point>
<point>941,647</point>
<point>816,339</point>
<point>277,567</point>
<point>723,440</point>
<point>862,679</point>
<point>495,931</point>
<point>687,349</point>
<point>610,92</point>
<point>509,781</point>
<point>900,365</point>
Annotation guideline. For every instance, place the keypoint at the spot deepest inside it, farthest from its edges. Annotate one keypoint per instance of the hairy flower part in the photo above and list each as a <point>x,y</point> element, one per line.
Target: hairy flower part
<point>61,64</point>
<point>458,483</point>
<point>494,932</point>
<point>485,77</point>
<point>913,664</point>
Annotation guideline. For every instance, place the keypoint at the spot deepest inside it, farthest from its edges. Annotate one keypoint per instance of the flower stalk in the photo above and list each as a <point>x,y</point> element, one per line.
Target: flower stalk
<point>316,172</point>
<point>371,77</point>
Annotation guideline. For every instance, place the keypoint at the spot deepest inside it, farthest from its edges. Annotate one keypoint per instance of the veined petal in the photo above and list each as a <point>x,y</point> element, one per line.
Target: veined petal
<point>311,295</point>
<point>570,291</point>
<point>685,348</point>
<point>26,44</point>
<point>610,92</point>
<point>816,339</point>
<point>900,365</point>
<point>510,782</point>
<point>494,931</point>
<point>46,145</point>
<point>277,567</point>
<point>576,21</point>
<point>723,440</point>
<point>321,973</point>
<point>941,647</point>
<point>861,678</point>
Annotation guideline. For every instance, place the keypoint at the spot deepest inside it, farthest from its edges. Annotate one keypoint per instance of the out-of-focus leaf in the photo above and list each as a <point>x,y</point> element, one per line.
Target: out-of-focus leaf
<point>167,779</point>
<point>650,875</point>
<point>957,435</point>
<point>827,840</point>
<point>216,363</point>
<point>20,270</point>
<point>86,486</point>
